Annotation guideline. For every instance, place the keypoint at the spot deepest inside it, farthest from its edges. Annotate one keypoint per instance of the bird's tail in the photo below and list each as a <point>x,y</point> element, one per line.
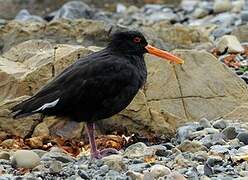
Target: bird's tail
<point>22,109</point>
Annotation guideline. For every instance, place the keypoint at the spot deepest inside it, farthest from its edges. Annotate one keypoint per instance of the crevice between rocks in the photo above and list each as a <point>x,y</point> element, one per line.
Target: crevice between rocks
<point>186,97</point>
<point>181,93</point>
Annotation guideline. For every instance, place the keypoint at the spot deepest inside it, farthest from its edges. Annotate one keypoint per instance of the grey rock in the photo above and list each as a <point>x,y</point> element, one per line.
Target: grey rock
<point>212,130</point>
<point>185,131</point>
<point>164,153</point>
<point>55,167</point>
<point>243,137</point>
<point>159,171</point>
<point>212,161</point>
<point>135,150</point>
<point>244,16</point>
<point>59,156</point>
<point>230,132</point>
<point>114,162</point>
<point>74,10</point>
<point>204,122</point>
<point>25,159</point>
<point>208,171</point>
<point>138,167</point>
<point>220,124</point>
<point>219,149</point>
<point>24,15</point>
<point>83,174</point>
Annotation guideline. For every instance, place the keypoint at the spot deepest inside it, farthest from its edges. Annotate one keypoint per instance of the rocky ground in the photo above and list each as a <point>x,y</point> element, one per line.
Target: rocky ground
<point>191,119</point>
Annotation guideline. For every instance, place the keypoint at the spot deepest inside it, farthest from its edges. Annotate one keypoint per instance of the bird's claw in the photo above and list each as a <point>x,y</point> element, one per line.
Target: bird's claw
<point>103,153</point>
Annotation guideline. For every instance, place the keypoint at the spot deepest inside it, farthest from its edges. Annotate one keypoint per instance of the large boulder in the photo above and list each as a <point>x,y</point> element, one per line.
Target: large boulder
<point>81,31</point>
<point>29,65</point>
<point>174,95</point>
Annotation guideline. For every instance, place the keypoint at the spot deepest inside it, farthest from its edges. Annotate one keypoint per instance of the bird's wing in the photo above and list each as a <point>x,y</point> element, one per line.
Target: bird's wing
<point>92,80</point>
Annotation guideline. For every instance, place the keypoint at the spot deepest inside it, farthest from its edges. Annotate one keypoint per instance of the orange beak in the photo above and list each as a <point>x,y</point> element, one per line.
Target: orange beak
<point>164,54</point>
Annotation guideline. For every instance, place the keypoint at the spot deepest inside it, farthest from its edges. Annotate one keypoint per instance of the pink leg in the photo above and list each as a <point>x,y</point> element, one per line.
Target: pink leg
<point>90,127</point>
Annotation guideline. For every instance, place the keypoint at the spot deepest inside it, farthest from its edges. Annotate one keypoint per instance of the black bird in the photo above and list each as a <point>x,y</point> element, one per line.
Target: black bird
<point>96,86</point>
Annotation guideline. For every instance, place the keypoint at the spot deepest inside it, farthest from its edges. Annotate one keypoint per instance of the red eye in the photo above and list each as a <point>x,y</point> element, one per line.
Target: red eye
<point>137,39</point>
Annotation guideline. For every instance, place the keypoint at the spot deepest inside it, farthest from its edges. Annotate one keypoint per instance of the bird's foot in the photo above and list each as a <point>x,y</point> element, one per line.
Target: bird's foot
<point>103,153</point>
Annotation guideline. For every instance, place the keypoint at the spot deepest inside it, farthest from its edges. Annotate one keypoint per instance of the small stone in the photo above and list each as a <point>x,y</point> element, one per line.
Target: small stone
<point>212,130</point>
<point>55,167</point>
<point>243,137</point>
<point>41,130</point>
<point>40,152</point>
<point>214,160</point>
<point>104,169</point>
<point>114,162</point>
<point>35,142</point>
<point>218,149</point>
<point>83,174</point>
<point>191,146</point>
<point>164,153</point>
<point>208,171</point>
<point>24,15</point>
<point>185,131</point>
<point>204,122</point>
<point>200,13</point>
<point>222,6</point>
<point>135,150</point>
<point>238,6</point>
<point>135,175</point>
<point>159,171</point>
<point>231,42</point>
<point>59,156</point>
<point>138,167</point>
<point>8,143</point>
<point>4,155</point>
<point>244,16</point>
<point>220,124</point>
<point>230,132</point>
<point>25,159</point>
<point>175,176</point>
<point>200,169</point>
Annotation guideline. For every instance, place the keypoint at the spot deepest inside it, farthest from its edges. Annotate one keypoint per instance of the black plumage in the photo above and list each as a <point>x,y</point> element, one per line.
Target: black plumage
<point>96,86</point>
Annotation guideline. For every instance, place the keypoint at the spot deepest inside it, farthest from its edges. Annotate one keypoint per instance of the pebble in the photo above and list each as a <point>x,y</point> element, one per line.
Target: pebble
<point>191,146</point>
<point>220,124</point>
<point>55,167</point>
<point>135,150</point>
<point>204,122</point>
<point>159,171</point>
<point>4,155</point>
<point>231,42</point>
<point>243,137</point>
<point>83,174</point>
<point>25,159</point>
<point>114,162</point>
<point>230,132</point>
<point>175,176</point>
<point>222,6</point>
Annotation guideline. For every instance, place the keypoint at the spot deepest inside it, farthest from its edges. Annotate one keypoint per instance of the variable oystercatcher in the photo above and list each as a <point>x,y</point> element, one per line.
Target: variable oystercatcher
<point>96,86</point>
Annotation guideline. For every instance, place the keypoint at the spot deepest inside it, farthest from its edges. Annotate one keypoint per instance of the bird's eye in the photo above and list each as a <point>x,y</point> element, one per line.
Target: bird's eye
<point>137,39</point>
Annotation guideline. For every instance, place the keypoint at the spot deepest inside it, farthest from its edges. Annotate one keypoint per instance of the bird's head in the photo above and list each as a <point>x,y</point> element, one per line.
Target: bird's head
<point>134,43</point>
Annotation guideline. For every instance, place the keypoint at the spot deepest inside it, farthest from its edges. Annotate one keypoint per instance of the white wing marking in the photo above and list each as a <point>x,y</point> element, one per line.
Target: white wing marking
<point>47,105</point>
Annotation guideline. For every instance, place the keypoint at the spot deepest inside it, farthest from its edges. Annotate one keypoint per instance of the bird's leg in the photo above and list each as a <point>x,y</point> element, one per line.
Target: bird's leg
<point>90,127</point>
